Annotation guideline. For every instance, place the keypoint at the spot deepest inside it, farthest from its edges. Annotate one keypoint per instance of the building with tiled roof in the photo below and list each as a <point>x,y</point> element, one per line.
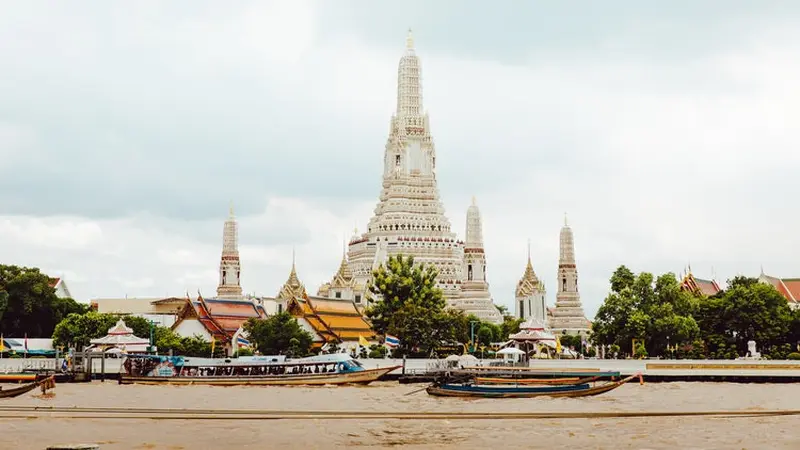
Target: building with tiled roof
<point>700,286</point>
<point>60,286</point>
<point>331,321</point>
<point>788,287</point>
<point>161,310</point>
<point>221,319</point>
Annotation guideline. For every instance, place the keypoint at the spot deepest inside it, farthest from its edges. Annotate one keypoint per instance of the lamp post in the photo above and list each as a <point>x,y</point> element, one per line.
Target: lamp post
<point>152,337</point>
<point>472,324</point>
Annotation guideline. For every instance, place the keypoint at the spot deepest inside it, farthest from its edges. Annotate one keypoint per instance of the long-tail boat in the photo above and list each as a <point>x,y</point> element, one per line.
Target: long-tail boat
<point>469,389</point>
<point>44,383</point>
<point>335,368</point>
<point>530,381</point>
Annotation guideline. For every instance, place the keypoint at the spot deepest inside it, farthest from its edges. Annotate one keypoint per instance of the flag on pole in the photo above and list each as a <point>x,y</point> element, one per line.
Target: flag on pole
<point>558,345</point>
<point>391,341</point>
<point>362,342</point>
<point>26,342</point>
<point>213,341</point>
<point>2,344</point>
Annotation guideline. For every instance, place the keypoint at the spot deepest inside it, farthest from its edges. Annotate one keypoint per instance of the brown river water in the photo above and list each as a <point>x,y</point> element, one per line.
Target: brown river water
<point>604,433</point>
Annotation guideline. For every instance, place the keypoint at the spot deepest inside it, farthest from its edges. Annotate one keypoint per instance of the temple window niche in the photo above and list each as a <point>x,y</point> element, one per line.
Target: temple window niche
<point>469,272</point>
<point>397,160</point>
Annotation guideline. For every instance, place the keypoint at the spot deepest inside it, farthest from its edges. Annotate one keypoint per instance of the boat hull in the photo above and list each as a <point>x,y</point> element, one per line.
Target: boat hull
<point>358,377</point>
<point>533,381</point>
<point>49,382</point>
<point>526,392</point>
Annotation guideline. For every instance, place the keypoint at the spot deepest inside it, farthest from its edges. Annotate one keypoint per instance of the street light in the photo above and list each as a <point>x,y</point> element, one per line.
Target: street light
<point>472,324</point>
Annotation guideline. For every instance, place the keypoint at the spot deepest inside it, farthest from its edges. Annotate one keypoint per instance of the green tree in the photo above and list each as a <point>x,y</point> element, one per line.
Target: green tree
<point>28,305</point>
<point>653,311</point>
<point>279,334</point>
<point>409,305</point>
<point>485,336</point>
<point>747,310</point>
<point>509,326</point>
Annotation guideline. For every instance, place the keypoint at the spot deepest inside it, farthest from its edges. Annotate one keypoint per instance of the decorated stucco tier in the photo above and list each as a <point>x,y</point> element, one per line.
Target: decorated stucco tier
<point>229,265</point>
<point>409,218</point>
<point>568,314</point>
<point>475,296</point>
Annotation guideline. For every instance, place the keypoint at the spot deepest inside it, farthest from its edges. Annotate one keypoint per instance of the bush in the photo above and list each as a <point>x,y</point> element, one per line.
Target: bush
<point>793,356</point>
<point>244,352</point>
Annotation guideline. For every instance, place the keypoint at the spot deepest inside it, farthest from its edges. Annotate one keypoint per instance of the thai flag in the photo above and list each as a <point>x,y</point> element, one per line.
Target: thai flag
<point>243,342</point>
<point>391,341</point>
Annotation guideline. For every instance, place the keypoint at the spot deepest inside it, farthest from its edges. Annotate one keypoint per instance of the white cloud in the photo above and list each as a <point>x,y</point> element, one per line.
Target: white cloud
<point>658,162</point>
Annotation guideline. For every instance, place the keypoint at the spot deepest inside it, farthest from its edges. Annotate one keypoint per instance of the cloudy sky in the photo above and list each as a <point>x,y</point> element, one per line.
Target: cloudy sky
<point>668,134</point>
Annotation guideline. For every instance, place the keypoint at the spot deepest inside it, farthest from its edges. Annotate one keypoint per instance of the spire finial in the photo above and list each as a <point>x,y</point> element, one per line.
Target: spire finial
<point>230,209</point>
<point>529,250</point>
<point>565,220</point>
<point>474,201</point>
<point>293,257</point>
<point>409,40</point>
<point>762,269</point>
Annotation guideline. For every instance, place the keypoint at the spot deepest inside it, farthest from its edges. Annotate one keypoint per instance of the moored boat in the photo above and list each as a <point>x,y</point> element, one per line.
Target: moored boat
<point>470,389</point>
<point>335,368</point>
<point>45,383</point>
<point>530,381</point>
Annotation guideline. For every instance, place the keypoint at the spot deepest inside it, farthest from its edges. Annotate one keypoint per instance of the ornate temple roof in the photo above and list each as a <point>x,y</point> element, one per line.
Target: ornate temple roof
<point>700,286</point>
<point>788,287</point>
<point>121,335</point>
<point>293,288</point>
<point>333,320</point>
<point>529,281</point>
<point>221,318</point>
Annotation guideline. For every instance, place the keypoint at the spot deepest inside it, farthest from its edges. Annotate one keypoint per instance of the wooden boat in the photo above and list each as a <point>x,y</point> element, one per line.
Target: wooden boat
<point>529,381</point>
<point>44,383</point>
<point>262,371</point>
<point>489,391</point>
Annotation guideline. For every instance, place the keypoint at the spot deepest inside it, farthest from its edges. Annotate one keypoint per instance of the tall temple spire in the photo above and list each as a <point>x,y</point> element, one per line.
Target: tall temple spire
<point>474,232</point>
<point>409,86</point>
<point>229,265</point>
<point>409,217</point>
<point>568,313</point>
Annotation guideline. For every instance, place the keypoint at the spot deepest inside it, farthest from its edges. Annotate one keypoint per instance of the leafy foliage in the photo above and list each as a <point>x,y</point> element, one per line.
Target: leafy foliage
<point>76,330</point>
<point>655,312</point>
<point>28,305</point>
<point>279,334</point>
<point>410,306</point>
<point>672,322</point>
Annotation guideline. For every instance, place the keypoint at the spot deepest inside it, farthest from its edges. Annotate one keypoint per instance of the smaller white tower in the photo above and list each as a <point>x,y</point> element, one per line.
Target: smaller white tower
<point>475,297</point>
<point>229,265</point>
<point>568,314</point>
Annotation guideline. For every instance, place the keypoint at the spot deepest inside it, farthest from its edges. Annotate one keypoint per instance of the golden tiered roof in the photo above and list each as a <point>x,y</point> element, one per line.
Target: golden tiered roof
<point>293,288</point>
<point>333,320</point>
<point>529,281</point>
